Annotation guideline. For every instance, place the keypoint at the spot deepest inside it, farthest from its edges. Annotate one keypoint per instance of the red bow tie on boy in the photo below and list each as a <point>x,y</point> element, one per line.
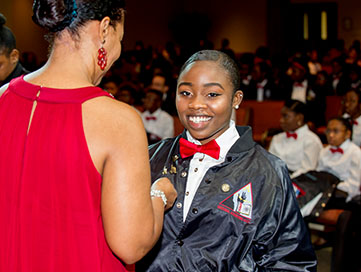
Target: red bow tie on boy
<point>188,149</point>
<point>150,118</point>
<point>291,134</point>
<point>335,150</point>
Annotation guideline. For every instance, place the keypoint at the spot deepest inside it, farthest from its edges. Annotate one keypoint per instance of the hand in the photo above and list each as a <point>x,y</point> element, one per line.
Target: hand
<point>165,185</point>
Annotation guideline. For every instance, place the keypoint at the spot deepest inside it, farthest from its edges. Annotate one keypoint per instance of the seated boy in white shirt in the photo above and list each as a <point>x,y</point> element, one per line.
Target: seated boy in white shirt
<point>158,123</point>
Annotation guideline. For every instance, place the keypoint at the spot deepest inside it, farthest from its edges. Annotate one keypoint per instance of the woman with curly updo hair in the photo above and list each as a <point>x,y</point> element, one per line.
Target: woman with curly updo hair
<point>74,171</point>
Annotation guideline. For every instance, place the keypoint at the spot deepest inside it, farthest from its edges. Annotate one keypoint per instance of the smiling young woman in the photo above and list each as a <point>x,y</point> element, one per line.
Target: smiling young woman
<point>234,198</point>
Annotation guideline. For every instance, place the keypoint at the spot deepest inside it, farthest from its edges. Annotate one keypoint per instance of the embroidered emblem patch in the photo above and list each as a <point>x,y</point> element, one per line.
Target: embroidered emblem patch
<point>298,191</point>
<point>239,204</point>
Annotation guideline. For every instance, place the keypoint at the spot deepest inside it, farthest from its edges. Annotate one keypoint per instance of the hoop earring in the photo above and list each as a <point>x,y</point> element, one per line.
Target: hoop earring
<point>102,57</point>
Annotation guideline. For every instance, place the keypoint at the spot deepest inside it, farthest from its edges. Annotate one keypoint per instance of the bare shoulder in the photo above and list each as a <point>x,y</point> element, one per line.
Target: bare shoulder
<point>111,124</point>
<point>3,89</point>
<point>112,112</point>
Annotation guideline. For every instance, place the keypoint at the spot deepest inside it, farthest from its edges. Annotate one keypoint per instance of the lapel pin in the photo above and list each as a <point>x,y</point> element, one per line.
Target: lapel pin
<point>173,170</point>
<point>226,187</point>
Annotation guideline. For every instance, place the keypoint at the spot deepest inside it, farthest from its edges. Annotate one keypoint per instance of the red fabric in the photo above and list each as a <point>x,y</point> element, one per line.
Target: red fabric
<point>151,118</point>
<point>354,122</point>
<point>187,148</point>
<point>335,150</point>
<point>50,189</point>
<point>291,134</point>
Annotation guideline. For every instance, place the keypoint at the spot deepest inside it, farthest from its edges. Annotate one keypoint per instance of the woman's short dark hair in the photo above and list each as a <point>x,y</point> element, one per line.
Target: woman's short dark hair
<point>7,38</point>
<point>296,106</point>
<point>224,61</point>
<point>56,15</point>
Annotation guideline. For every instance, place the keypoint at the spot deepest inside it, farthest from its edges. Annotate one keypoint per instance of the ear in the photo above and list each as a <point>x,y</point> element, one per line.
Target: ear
<point>348,134</point>
<point>14,56</point>
<point>166,89</point>
<point>104,27</point>
<point>300,118</point>
<point>237,99</point>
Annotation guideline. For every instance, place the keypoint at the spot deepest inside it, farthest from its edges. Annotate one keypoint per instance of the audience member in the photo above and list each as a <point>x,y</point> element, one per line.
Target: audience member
<point>261,88</point>
<point>339,76</point>
<point>316,99</point>
<point>158,123</point>
<point>161,83</point>
<point>341,158</point>
<point>110,84</point>
<point>314,66</point>
<point>225,48</point>
<point>10,66</point>
<point>352,109</point>
<point>297,146</point>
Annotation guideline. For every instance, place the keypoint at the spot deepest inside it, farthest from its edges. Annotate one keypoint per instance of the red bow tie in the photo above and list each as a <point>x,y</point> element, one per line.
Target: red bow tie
<point>354,122</point>
<point>298,84</point>
<point>187,148</point>
<point>335,150</point>
<point>150,118</point>
<point>260,86</point>
<point>291,134</point>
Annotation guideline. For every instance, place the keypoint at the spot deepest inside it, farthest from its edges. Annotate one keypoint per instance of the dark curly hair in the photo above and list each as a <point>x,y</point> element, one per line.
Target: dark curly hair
<point>56,15</point>
<point>224,61</point>
<point>7,38</point>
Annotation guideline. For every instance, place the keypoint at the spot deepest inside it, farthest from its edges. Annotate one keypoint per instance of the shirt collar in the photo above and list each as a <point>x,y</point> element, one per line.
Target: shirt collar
<point>263,82</point>
<point>344,145</point>
<point>302,129</point>
<point>225,140</point>
<point>155,114</point>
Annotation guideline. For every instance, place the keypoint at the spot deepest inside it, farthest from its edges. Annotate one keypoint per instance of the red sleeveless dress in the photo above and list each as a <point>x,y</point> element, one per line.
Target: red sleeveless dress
<point>49,187</point>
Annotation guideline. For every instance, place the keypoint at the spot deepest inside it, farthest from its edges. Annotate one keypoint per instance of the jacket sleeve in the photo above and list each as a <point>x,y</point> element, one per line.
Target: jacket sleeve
<point>284,242</point>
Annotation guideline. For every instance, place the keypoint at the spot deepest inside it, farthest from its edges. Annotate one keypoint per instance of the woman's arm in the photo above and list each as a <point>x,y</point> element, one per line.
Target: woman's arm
<point>116,137</point>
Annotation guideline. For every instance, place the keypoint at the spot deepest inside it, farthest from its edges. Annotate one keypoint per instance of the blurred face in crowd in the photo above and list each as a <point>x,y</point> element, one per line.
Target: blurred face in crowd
<point>298,73</point>
<point>351,103</point>
<point>336,67</point>
<point>336,133</point>
<point>257,74</point>
<point>244,70</point>
<point>8,63</point>
<point>152,101</point>
<point>353,76</point>
<point>290,120</point>
<point>205,99</point>
<point>111,87</point>
<point>125,96</point>
<point>321,80</point>
<point>159,84</point>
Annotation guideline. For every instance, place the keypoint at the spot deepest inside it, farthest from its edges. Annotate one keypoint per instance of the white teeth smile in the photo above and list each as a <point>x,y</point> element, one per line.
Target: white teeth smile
<point>198,119</point>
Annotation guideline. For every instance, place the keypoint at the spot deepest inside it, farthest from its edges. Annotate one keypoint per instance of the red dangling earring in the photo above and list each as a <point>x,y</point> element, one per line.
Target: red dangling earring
<point>102,57</point>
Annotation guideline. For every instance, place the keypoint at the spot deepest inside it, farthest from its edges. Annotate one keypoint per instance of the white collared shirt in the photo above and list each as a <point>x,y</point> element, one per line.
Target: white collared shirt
<point>356,130</point>
<point>299,93</point>
<point>200,163</point>
<point>261,90</point>
<point>299,154</point>
<point>346,166</point>
<point>163,126</point>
